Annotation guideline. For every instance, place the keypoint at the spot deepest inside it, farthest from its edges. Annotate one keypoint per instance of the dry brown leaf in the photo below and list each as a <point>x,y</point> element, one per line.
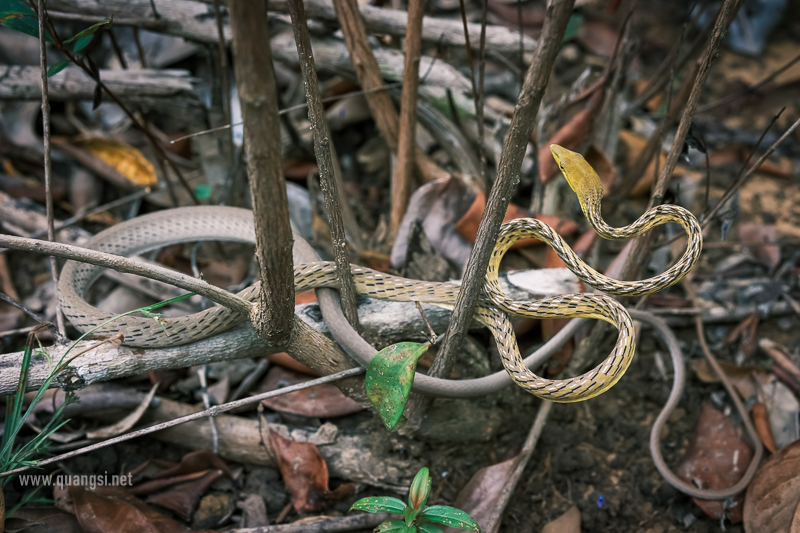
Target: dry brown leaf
<point>321,401</point>
<point>285,360</point>
<point>127,422</point>
<point>125,159</point>
<point>571,135</point>
<point>467,226</point>
<point>740,376</point>
<point>745,333</point>
<point>479,497</point>
<point>716,459</point>
<point>773,495</point>
<point>569,522</point>
<point>114,509</point>
<point>635,145</point>
<point>762,240</point>
<point>602,165</point>
<point>439,205</point>
<point>42,520</point>
<point>197,461</point>
<point>761,421</point>
<point>305,474</point>
<point>183,498</point>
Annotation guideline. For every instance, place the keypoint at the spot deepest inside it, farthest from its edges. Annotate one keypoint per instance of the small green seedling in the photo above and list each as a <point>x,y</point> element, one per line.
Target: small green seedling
<point>14,456</point>
<point>417,517</point>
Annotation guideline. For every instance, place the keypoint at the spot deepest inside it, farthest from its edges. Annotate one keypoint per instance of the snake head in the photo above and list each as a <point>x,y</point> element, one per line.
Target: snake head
<point>580,174</point>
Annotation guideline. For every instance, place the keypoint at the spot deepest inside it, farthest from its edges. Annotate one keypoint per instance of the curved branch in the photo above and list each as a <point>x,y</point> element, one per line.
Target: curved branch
<point>130,266</point>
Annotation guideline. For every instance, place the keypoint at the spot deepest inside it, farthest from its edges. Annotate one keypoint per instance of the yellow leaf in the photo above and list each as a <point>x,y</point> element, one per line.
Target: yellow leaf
<point>124,158</point>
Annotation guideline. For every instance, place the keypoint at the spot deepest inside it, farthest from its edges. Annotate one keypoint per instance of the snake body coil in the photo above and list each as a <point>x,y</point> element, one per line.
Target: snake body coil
<point>191,224</point>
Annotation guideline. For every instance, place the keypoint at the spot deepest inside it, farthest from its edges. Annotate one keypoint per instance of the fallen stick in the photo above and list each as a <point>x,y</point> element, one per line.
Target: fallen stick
<point>196,21</point>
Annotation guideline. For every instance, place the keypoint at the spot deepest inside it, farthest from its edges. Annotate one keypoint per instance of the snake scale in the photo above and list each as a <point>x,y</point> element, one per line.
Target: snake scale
<point>191,224</point>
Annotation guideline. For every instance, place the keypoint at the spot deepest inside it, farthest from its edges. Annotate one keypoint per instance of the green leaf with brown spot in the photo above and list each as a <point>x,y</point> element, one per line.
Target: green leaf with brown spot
<point>379,504</point>
<point>390,375</point>
<point>450,516</point>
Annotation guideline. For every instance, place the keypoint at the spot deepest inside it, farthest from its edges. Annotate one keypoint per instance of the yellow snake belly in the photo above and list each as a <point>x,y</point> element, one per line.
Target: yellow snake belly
<point>192,224</point>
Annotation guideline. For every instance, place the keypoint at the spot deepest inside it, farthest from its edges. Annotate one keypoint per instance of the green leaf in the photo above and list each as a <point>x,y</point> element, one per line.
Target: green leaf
<point>55,68</point>
<point>82,43</point>
<point>430,528</point>
<point>390,375</point>
<point>88,32</point>
<point>202,192</point>
<point>379,504</point>
<point>19,16</point>
<point>573,27</point>
<point>450,516</point>
<point>420,488</point>
<point>395,526</point>
<point>410,515</point>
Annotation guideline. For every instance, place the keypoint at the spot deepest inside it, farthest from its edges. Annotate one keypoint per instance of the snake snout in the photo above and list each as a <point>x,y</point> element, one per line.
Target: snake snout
<point>579,173</point>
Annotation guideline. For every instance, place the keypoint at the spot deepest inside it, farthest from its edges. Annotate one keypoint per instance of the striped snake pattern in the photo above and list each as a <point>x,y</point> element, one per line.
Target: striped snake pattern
<point>191,224</point>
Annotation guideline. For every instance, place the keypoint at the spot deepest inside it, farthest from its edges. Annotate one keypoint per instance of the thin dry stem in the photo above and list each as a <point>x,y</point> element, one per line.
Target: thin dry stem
<point>213,411</point>
<point>131,266</point>
<point>255,79</point>
<point>48,182</point>
<point>522,123</point>
<point>403,172</point>
<point>323,146</point>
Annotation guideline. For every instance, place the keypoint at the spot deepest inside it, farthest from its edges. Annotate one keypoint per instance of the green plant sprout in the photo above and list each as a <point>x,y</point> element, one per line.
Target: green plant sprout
<point>417,516</point>
<point>12,457</point>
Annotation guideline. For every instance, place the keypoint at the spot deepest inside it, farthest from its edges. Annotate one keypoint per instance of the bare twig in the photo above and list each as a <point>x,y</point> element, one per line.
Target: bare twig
<point>51,235</point>
<point>653,146</point>
<point>641,246</point>
<point>222,51</point>
<point>189,19</point>
<point>735,96</point>
<point>403,171</point>
<point>322,524</point>
<point>123,264</point>
<point>672,62</point>
<point>369,77</point>
<point>724,19</point>
<point>431,332</point>
<point>140,125</point>
<point>492,522</point>
<point>11,301</point>
<point>331,190</point>
<point>522,123</point>
<point>213,411</point>
<point>289,109</point>
<point>742,178</point>
<point>480,97</point>
<point>252,60</point>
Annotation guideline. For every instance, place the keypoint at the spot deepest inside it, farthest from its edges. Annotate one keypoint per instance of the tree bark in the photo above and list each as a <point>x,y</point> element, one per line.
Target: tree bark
<point>255,79</point>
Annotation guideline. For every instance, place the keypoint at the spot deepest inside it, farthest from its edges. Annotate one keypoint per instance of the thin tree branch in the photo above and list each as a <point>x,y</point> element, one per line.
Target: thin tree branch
<point>212,411</point>
<point>255,79</point>
<point>48,182</point>
<point>403,171</point>
<point>323,146</point>
<point>724,19</point>
<point>131,266</point>
<point>741,180</point>
<point>508,169</point>
<point>369,77</point>
<point>11,301</point>
<point>222,51</point>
